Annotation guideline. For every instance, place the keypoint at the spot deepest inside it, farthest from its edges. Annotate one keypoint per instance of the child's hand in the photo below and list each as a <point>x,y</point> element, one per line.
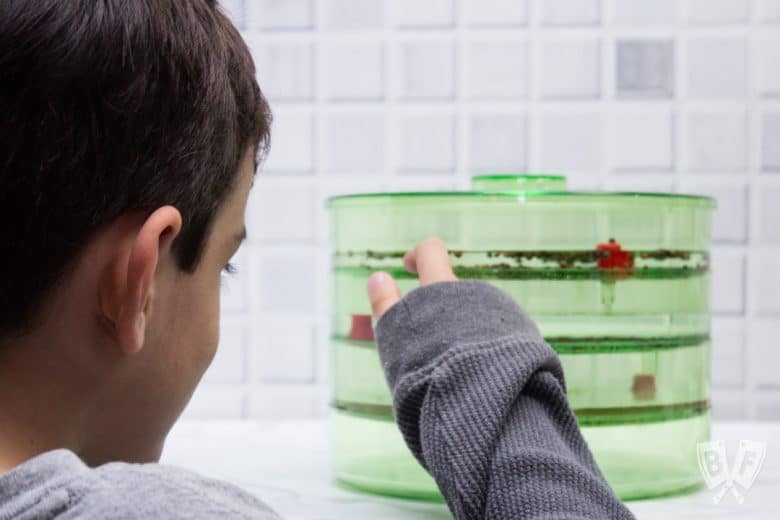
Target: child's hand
<point>429,259</point>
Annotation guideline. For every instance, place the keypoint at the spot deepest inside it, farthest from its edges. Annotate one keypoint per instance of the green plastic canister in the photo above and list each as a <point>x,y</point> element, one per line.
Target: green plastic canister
<point>618,284</point>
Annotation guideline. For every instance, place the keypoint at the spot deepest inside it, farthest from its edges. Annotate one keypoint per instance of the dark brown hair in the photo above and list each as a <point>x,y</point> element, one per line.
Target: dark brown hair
<point>109,107</point>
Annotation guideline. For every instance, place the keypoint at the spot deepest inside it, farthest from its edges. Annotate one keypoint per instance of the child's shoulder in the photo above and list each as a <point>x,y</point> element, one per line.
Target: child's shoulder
<point>58,483</point>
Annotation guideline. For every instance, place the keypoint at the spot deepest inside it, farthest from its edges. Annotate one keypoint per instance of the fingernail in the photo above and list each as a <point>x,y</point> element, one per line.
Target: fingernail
<point>376,280</point>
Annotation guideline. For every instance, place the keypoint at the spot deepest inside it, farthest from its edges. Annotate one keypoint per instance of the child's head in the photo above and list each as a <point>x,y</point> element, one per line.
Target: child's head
<point>128,143</point>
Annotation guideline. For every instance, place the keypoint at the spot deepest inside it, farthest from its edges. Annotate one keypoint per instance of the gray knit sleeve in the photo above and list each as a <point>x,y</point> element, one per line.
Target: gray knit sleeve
<point>481,402</point>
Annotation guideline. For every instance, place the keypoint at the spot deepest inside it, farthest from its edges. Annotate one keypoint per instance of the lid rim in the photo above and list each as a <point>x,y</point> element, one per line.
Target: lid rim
<point>510,194</point>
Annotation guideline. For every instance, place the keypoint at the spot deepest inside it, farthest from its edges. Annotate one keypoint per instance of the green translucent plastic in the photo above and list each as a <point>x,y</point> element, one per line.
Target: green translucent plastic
<point>633,337</point>
<point>501,182</point>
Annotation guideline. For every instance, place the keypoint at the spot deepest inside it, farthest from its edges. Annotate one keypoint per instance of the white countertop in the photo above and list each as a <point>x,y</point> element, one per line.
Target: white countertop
<point>285,463</point>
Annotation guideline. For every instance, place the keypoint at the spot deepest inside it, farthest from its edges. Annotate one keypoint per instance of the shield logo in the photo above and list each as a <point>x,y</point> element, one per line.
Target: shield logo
<point>715,467</point>
<point>712,462</point>
<point>750,457</point>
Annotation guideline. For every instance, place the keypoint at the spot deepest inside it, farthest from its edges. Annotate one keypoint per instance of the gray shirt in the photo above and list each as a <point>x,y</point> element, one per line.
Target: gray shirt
<point>479,398</point>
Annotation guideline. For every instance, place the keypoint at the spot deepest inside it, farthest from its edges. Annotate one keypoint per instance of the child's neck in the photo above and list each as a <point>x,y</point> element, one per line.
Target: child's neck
<point>40,409</point>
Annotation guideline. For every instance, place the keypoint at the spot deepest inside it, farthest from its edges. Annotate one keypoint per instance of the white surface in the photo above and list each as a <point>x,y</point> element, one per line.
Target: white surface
<point>286,465</point>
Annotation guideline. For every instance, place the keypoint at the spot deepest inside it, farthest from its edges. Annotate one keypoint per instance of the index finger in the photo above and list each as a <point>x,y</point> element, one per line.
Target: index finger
<point>430,260</point>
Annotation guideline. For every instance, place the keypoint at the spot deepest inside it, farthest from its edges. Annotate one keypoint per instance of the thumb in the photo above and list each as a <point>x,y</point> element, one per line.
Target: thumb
<point>383,292</point>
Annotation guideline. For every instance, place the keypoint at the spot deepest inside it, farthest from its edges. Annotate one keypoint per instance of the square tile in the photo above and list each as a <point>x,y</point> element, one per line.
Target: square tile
<point>571,12</point>
<point>643,140</point>
<point>642,12</point>
<point>353,14</point>
<point>355,143</point>
<point>728,281</point>
<point>729,220</point>
<point>427,70</point>
<point>229,361</point>
<point>707,133</point>
<point>287,282</point>
<point>571,141</point>
<point>728,352</point>
<point>427,143</point>
<point>717,68</point>
<point>767,60</point>
<point>764,356</point>
<point>769,213</point>
<point>292,141</point>
<point>770,137</point>
<point>285,70</point>
<point>281,211</point>
<point>431,13</point>
<point>570,69</point>
<point>497,70</point>
<point>278,14</point>
<point>498,143</point>
<point>767,265</point>
<point>353,70</point>
<point>717,12</point>
<point>284,351</point>
<point>644,68</point>
<point>769,11</point>
<point>495,12</point>
<point>768,403</point>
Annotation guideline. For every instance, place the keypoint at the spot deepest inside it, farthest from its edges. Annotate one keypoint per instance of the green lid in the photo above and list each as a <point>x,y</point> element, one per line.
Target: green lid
<point>521,188</point>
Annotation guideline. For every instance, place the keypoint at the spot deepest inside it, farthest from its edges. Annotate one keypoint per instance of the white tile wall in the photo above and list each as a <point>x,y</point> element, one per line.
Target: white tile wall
<point>352,70</point>
<point>717,12</point>
<point>497,141</point>
<point>426,70</point>
<point>768,297</point>
<point>769,72</point>
<point>497,69</point>
<point>770,132</point>
<point>717,67</point>
<point>571,69</point>
<point>707,131</point>
<point>354,143</point>
<point>571,141</point>
<point>431,13</point>
<point>377,95</point>
<point>644,67</point>
<point>769,214</point>
<point>642,12</point>
<point>276,14</point>
<point>353,14</point>
<point>769,11</point>
<point>494,12</point>
<point>284,69</point>
<point>571,12</point>
<point>643,139</point>
<point>426,143</point>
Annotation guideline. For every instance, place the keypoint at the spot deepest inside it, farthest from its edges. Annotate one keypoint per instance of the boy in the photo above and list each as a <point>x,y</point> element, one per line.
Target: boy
<point>130,137</point>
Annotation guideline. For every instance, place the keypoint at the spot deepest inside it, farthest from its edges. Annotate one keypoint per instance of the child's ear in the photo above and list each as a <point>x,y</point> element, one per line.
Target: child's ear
<point>126,300</point>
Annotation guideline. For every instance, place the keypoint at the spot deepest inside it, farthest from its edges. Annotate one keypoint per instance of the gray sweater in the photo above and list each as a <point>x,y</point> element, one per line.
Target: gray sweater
<point>478,396</point>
